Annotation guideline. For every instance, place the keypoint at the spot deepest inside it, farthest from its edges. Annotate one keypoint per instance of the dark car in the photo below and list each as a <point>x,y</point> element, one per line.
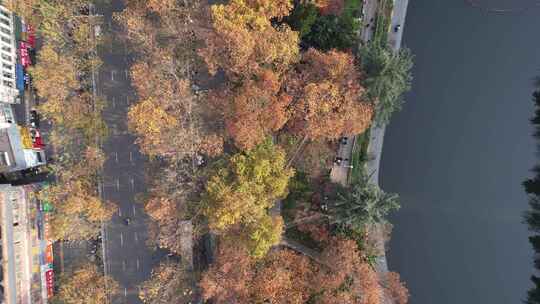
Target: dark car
<point>34,118</point>
<point>397,28</point>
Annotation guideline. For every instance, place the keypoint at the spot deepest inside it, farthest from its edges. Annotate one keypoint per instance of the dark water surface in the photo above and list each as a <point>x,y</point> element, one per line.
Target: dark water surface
<point>458,152</point>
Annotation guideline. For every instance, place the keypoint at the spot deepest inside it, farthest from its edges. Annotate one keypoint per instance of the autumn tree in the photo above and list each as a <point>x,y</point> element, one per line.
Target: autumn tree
<point>174,121</point>
<point>328,98</point>
<point>149,119</point>
<point>242,38</point>
<point>165,213</point>
<point>235,277</point>
<point>228,280</point>
<point>169,283</point>
<point>67,59</point>
<point>54,67</point>
<point>86,285</point>
<point>331,7</point>
<point>254,109</point>
<point>78,209</point>
<point>349,279</point>
<point>38,11</point>
<point>284,276</point>
<point>241,191</point>
<point>396,289</point>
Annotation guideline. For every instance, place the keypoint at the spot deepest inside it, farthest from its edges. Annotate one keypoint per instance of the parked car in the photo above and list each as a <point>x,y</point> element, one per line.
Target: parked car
<point>34,119</point>
<point>397,28</point>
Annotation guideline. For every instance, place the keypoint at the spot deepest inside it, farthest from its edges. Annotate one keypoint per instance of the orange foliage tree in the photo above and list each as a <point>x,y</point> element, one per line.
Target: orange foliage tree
<point>348,269</point>
<point>170,119</point>
<point>253,110</point>
<point>331,7</point>
<point>328,100</point>
<point>287,277</point>
<point>282,277</point>
<point>228,280</point>
<point>396,289</point>
<point>241,38</point>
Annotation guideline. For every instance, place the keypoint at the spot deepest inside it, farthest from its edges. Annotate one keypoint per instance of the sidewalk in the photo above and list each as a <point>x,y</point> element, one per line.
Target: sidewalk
<point>339,174</point>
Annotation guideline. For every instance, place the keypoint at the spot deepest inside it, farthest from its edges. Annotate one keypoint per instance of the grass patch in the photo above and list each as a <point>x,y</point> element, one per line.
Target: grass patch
<point>353,8</point>
<point>382,22</point>
<point>303,238</point>
<point>359,156</point>
<point>300,192</point>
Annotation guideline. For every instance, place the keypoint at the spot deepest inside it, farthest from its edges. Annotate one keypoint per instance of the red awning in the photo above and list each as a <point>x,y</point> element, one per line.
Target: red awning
<point>23,52</point>
<point>31,36</point>
<point>37,142</point>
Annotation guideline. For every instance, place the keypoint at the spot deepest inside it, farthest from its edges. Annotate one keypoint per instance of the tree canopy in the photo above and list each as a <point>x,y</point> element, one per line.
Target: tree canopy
<point>325,25</point>
<point>328,100</point>
<point>287,277</point>
<point>243,39</point>
<point>362,204</point>
<point>388,76</point>
<point>86,285</point>
<point>169,283</point>
<point>242,189</point>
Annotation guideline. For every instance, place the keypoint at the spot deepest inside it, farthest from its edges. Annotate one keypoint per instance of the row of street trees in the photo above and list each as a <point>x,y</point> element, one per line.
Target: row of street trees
<point>62,79</point>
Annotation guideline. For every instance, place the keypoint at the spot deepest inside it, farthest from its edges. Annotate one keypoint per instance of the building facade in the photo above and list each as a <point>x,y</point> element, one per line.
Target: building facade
<point>21,147</point>
<point>9,93</point>
<point>26,253</point>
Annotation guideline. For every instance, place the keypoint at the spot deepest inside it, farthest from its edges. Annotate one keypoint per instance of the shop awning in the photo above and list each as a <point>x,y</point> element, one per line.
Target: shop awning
<point>19,76</point>
<point>24,54</point>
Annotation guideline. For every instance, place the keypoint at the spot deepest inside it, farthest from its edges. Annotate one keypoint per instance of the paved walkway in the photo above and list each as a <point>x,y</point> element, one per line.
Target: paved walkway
<point>377,132</point>
<point>339,173</point>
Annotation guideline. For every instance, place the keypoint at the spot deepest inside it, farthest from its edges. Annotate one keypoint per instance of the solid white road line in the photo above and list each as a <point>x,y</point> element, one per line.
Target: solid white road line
<point>121,239</point>
<point>125,292</point>
<point>112,75</point>
<point>117,184</point>
<point>138,264</point>
<point>116,156</point>
<point>133,208</point>
<point>132,182</point>
<point>130,157</point>
<point>119,212</point>
<point>136,236</point>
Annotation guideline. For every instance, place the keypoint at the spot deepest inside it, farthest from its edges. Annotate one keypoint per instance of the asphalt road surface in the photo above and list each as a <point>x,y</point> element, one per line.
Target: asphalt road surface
<point>128,259</point>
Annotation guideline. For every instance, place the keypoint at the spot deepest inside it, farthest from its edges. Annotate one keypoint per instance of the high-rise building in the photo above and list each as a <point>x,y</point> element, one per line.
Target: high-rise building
<point>8,57</point>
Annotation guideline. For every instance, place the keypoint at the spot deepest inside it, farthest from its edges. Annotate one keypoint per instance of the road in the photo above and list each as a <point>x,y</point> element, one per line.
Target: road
<point>377,132</point>
<point>127,257</point>
<point>339,173</point>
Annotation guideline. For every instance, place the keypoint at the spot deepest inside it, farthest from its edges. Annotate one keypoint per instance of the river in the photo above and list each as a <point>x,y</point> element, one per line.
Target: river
<point>458,152</point>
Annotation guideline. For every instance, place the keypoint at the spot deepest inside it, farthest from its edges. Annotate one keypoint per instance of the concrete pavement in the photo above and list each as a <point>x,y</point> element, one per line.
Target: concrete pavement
<point>377,132</point>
